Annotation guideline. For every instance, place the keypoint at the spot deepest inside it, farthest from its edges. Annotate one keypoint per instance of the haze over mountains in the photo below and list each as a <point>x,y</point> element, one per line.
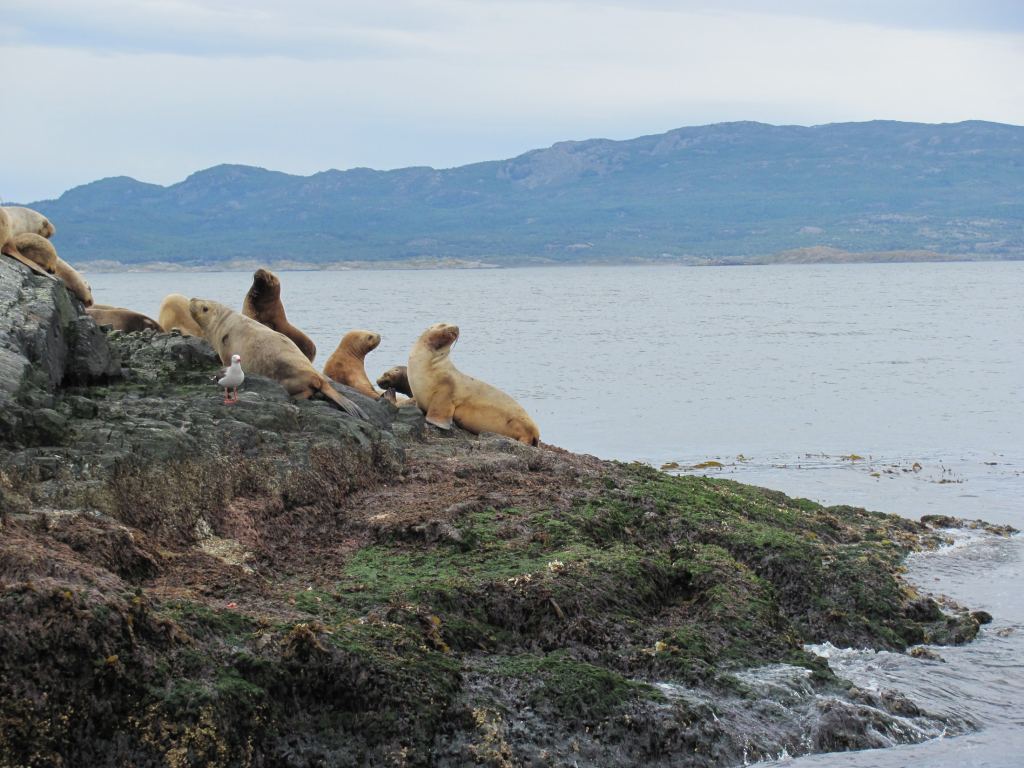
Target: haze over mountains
<point>729,192</point>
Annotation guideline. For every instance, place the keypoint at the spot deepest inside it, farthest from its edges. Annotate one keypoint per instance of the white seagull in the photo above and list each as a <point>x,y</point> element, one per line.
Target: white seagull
<point>232,378</point>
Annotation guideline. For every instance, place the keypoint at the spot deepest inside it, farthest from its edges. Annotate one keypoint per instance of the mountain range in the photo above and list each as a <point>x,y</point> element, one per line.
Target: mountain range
<point>723,193</point>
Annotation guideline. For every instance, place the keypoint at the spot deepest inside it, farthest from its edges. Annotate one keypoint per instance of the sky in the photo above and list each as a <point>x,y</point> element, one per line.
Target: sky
<point>158,89</point>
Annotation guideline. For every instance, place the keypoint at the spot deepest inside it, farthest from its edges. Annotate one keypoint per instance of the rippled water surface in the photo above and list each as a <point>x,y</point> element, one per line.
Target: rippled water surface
<point>896,387</point>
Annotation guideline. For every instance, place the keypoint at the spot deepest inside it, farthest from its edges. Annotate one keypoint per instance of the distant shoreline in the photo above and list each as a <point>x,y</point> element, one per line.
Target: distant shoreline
<point>803,257</point>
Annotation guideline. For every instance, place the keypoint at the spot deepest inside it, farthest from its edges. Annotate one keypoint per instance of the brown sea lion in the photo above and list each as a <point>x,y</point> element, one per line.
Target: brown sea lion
<point>74,281</point>
<point>30,249</point>
<point>174,316</point>
<point>265,352</point>
<point>263,303</point>
<point>122,319</point>
<point>26,220</point>
<point>396,378</point>
<point>445,394</point>
<point>347,366</point>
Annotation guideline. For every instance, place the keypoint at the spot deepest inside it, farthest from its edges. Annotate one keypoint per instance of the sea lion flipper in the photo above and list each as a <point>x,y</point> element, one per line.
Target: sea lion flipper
<point>441,413</point>
<point>10,249</point>
<point>389,395</point>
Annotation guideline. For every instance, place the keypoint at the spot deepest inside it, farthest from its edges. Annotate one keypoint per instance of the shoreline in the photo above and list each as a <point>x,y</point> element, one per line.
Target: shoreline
<point>109,267</point>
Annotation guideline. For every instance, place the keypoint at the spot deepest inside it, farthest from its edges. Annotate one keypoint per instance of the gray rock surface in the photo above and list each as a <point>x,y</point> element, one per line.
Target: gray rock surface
<point>46,340</point>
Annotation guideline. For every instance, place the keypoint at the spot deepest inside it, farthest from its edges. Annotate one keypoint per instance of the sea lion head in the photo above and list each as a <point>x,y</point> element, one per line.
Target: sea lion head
<point>46,228</point>
<point>439,337</point>
<point>85,292</point>
<point>203,311</point>
<point>266,286</point>
<point>393,377</point>
<point>361,342</point>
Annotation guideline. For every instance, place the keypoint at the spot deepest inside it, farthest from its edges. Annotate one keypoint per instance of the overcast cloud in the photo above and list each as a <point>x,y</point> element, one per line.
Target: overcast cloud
<point>161,88</point>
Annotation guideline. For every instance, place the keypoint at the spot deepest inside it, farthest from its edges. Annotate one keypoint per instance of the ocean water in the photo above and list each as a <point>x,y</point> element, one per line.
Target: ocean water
<point>898,387</point>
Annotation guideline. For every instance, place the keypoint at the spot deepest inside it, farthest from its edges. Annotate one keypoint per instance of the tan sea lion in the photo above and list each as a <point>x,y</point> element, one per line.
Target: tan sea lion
<point>265,352</point>
<point>26,220</point>
<point>396,378</point>
<point>445,394</point>
<point>174,315</point>
<point>30,249</point>
<point>122,319</point>
<point>74,281</point>
<point>347,366</point>
<point>263,303</point>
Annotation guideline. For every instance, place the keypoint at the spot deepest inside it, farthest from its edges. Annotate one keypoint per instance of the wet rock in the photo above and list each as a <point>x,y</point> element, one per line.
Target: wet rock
<point>946,521</point>
<point>923,652</point>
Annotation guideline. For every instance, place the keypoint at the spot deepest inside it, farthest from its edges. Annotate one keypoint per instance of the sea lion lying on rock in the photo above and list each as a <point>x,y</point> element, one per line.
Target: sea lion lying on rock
<point>38,253</point>
<point>33,250</point>
<point>347,365</point>
<point>121,319</point>
<point>23,220</point>
<point>265,352</point>
<point>445,394</point>
<point>5,227</point>
<point>263,303</point>
<point>174,316</point>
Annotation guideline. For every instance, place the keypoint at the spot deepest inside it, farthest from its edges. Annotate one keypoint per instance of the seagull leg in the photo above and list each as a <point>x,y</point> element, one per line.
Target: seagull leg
<point>227,397</point>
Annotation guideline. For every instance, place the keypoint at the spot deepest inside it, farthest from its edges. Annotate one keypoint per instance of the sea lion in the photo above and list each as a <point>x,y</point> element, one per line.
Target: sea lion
<point>396,378</point>
<point>263,303</point>
<point>266,352</point>
<point>74,281</point>
<point>174,316</point>
<point>122,319</point>
<point>32,250</point>
<point>445,394</point>
<point>346,364</point>
<point>26,220</point>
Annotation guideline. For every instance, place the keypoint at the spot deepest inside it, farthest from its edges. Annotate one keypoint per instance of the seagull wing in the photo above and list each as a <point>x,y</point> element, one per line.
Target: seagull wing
<point>232,376</point>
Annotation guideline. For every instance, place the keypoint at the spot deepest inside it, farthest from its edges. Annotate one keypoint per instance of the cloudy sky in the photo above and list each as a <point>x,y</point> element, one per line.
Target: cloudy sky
<point>156,89</point>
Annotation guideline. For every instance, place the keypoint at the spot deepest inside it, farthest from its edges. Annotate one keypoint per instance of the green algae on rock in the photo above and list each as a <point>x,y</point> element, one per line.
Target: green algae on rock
<point>274,583</point>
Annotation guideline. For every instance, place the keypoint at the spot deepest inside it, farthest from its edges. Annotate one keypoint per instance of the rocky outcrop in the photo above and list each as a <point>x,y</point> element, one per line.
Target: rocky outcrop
<point>274,583</point>
<point>46,341</point>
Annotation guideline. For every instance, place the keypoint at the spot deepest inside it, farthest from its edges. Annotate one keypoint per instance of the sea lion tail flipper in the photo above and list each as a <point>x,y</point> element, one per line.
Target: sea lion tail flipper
<point>342,402</point>
<point>10,249</point>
